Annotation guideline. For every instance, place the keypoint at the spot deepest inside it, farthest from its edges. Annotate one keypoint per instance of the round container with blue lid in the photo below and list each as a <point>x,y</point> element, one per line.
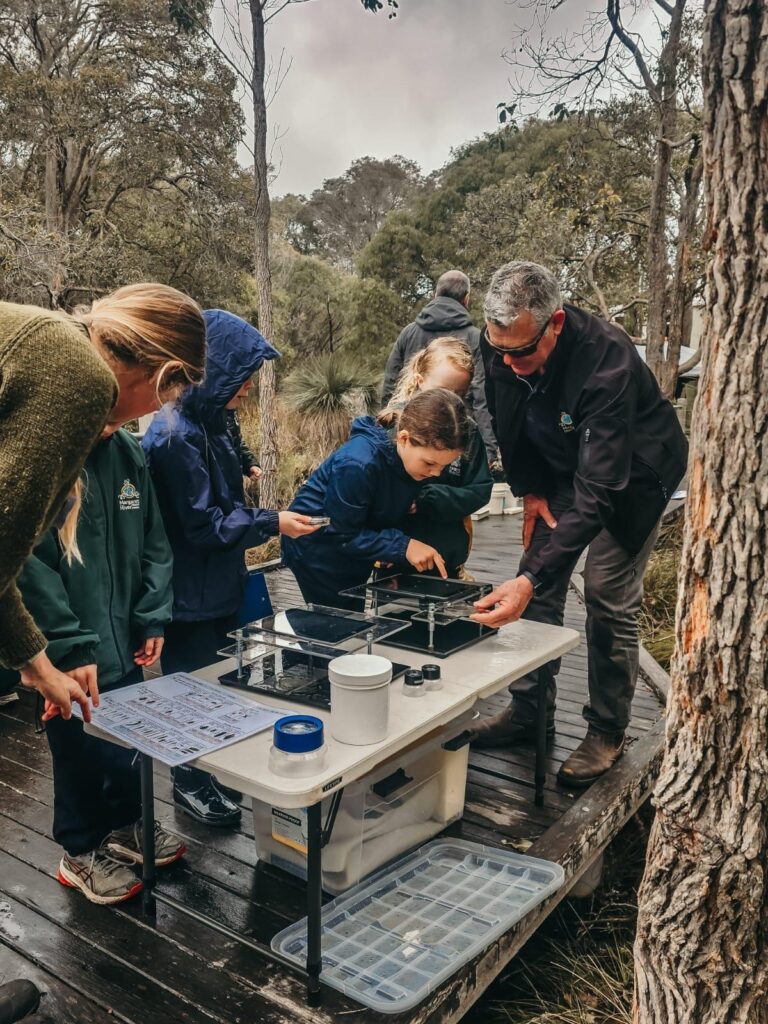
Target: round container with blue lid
<point>298,746</point>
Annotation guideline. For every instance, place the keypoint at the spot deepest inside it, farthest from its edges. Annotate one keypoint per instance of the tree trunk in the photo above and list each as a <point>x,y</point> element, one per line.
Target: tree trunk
<point>267,399</point>
<point>701,954</point>
<point>658,261</point>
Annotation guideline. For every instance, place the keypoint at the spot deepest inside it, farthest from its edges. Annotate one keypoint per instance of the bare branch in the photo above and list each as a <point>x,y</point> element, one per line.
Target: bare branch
<point>613,13</point>
<point>689,364</point>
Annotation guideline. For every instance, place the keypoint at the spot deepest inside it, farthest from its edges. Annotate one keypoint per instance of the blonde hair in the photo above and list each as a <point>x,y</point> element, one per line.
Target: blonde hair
<point>154,327</point>
<point>68,530</point>
<point>452,350</point>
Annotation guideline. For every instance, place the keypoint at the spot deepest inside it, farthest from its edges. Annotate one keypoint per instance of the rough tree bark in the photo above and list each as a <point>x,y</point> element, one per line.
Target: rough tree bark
<point>701,953</point>
<point>267,401</point>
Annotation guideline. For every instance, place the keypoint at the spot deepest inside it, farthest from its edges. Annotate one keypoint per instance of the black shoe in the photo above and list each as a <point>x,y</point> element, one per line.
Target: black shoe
<point>207,805</point>
<point>507,729</point>
<point>17,999</point>
<point>231,794</point>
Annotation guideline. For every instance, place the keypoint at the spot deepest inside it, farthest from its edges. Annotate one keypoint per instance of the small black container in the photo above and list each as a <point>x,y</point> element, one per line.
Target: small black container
<point>432,676</point>
<point>413,683</point>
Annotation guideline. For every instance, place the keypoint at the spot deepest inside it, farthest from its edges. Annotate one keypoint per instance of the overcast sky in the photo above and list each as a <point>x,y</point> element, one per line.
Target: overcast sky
<point>363,85</point>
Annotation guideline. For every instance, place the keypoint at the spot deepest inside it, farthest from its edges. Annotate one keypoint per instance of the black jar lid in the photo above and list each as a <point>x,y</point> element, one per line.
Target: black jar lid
<point>430,671</point>
<point>413,677</point>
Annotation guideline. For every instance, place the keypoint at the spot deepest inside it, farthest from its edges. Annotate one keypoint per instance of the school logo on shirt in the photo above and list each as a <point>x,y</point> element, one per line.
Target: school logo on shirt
<point>566,423</point>
<point>128,497</point>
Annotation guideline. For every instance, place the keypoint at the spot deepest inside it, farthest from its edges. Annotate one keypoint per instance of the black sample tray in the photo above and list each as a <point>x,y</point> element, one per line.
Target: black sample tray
<point>449,638</point>
<point>419,590</point>
<point>290,675</point>
<point>331,627</point>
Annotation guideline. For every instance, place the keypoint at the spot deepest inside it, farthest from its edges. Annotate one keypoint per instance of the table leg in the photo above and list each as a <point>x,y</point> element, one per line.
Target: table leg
<point>541,744</point>
<point>148,832</point>
<point>314,902</point>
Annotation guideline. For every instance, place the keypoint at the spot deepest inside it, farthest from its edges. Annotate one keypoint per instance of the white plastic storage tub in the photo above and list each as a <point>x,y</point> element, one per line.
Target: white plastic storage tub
<point>408,800</point>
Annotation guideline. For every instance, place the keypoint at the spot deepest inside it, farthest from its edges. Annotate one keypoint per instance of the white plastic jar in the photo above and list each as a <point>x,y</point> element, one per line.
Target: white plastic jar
<point>360,698</point>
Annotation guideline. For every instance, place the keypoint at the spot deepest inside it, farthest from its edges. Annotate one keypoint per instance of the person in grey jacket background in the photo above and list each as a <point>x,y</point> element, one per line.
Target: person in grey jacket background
<point>446,314</point>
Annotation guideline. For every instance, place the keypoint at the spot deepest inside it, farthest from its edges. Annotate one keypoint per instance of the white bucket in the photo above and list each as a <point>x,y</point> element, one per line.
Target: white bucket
<point>360,698</point>
<point>499,495</point>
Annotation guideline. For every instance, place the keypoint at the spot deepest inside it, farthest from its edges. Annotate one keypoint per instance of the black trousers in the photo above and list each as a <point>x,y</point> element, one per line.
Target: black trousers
<point>96,785</point>
<point>190,646</point>
<point>613,594</point>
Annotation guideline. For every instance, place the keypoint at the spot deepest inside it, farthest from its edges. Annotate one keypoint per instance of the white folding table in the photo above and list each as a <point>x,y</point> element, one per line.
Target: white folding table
<point>467,676</point>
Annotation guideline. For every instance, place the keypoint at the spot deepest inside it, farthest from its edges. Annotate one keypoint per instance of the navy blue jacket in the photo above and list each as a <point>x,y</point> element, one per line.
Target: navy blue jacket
<point>198,477</point>
<point>365,490</point>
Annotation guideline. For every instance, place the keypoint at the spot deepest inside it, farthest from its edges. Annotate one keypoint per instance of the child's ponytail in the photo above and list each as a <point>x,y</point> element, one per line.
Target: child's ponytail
<point>434,419</point>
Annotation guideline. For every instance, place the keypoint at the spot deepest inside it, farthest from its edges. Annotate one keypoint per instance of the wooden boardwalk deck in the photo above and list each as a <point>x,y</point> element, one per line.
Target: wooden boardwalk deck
<point>98,964</point>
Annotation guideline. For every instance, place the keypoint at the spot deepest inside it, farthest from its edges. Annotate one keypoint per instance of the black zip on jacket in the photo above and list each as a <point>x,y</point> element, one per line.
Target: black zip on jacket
<point>596,421</point>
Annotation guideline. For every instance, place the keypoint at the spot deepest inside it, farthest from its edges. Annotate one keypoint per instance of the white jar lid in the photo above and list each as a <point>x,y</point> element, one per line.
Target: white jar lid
<point>360,670</point>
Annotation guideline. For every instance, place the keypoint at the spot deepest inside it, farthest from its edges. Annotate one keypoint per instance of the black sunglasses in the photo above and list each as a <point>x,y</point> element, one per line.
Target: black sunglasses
<point>522,350</point>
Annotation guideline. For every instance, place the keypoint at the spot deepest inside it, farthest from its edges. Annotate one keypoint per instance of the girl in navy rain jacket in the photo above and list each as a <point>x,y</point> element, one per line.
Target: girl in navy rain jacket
<point>198,479</point>
<point>366,489</point>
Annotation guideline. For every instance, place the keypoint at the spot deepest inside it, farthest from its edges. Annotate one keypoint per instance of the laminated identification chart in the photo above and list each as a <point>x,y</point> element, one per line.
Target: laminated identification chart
<point>177,718</point>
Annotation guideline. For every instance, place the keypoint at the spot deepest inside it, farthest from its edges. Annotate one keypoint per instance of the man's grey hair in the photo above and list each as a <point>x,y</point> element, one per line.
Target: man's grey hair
<point>520,286</point>
<point>454,284</point>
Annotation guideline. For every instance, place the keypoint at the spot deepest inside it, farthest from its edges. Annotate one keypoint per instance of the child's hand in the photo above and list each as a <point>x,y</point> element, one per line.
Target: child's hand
<point>149,652</point>
<point>412,510</point>
<point>422,556</point>
<point>294,524</point>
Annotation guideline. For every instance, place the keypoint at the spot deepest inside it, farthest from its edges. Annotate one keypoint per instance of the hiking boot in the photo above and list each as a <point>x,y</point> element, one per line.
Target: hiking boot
<point>596,753</point>
<point>507,729</point>
<point>126,845</point>
<point>207,804</point>
<point>99,876</point>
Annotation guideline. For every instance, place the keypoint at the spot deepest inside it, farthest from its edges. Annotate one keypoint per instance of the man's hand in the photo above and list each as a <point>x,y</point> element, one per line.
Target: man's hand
<point>255,472</point>
<point>533,507</point>
<point>57,689</point>
<point>504,604</point>
<point>149,652</point>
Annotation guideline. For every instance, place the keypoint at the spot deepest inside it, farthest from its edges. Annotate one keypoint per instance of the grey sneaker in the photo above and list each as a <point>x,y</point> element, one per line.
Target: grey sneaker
<point>126,844</point>
<point>99,876</point>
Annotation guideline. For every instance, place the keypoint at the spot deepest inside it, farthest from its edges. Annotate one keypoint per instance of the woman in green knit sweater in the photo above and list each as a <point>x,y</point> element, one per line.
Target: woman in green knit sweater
<point>63,380</point>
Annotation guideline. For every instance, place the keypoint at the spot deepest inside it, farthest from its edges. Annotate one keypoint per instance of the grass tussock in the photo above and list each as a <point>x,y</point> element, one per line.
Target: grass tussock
<point>657,616</point>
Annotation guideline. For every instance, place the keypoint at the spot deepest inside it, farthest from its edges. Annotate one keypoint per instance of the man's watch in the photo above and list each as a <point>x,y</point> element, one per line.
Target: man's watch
<point>535,581</point>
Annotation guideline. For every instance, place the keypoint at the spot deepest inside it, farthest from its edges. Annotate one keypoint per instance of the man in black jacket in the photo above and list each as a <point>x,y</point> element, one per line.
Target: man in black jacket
<point>445,316</point>
<point>595,451</point>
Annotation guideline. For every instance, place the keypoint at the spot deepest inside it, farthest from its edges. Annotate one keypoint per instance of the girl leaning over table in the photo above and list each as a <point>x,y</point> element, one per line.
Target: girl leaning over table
<point>440,513</point>
<point>366,488</point>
